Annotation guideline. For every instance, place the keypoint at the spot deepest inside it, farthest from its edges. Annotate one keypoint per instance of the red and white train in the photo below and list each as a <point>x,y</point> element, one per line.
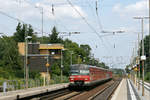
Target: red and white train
<point>87,75</point>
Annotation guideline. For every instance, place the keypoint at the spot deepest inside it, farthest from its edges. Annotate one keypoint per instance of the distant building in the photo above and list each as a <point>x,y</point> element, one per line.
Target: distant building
<point>40,54</point>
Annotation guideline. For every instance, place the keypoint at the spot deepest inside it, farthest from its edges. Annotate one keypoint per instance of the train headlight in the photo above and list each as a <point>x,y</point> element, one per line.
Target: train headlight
<point>71,79</point>
<point>86,79</point>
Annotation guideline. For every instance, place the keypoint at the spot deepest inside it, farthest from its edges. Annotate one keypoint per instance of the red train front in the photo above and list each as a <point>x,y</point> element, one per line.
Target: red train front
<point>87,75</point>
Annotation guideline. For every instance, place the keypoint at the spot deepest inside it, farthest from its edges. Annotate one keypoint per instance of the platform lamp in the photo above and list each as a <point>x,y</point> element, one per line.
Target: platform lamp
<point>42,12</point>
<point>84,59</point>
<point>26,60</point>
<point>47,67</point>
<point>79,58</point>
<point>71,52</point>
<point>62,65</point>
<point>133,73</point>
<point>137,72</point>
<point>143,58</point>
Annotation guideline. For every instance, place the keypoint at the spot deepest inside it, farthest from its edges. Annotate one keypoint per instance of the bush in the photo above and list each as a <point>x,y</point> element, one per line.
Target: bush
<point>147,76</point>
<point>57,79</point>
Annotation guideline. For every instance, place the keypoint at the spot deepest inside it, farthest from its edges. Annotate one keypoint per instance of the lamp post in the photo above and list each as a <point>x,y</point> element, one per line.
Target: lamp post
<point>71,58</point>
<point>26,59</point>
<point>84,59</point>
<point>62,65</point>
<point>79,58</point>
<point>41,8</point>
<point>143,57</point>
<point>138,61</point>
<point>47,65</point>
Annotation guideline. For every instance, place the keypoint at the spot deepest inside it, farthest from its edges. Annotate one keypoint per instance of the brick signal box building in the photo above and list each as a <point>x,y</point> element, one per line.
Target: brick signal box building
<point>40,54</point>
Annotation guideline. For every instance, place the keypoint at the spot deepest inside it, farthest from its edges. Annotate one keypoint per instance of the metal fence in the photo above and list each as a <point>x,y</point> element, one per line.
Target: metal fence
<point>13,85</point>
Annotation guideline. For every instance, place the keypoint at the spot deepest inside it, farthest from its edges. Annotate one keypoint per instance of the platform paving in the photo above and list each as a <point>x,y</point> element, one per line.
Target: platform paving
<point>146,90</point>
<point>13,95</point>
<point>121,91</point>
<point>126,91</point>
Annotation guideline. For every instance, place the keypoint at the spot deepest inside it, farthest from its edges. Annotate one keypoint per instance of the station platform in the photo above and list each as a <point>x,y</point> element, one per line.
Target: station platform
<point>128,91</point>
<point>146,90</point>
<point>13,95</point>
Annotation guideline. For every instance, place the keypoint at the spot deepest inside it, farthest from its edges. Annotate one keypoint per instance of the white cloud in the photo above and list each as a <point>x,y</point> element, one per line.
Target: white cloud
<point>139,8</point>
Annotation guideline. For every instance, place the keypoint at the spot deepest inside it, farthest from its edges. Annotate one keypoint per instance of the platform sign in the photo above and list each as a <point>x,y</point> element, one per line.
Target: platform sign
<point>143,57</point>
<point>47,64</point>
<point>135,69</point>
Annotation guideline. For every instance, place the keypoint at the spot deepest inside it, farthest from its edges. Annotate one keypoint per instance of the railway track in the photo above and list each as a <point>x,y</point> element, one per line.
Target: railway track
<point>49,95</point>
<point>54,95</point>
<point>107,92</point>
<point>101,92</point>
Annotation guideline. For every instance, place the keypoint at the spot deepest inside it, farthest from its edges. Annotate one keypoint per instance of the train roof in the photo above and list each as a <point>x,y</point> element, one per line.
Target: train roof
<point>90,66</point>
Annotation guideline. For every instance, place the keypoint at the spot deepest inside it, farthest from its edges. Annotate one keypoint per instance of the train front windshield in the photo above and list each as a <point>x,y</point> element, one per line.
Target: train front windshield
<point>79,70</point>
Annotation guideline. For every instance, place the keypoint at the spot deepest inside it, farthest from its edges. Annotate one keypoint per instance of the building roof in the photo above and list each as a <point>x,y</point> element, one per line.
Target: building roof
<point>51,46</point>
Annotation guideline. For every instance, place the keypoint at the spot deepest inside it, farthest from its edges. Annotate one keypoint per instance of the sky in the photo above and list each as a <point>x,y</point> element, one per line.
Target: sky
<point>112,15</point>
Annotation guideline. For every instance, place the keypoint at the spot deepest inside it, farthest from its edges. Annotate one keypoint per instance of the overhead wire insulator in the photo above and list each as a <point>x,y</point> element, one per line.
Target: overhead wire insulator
<point>96,8</point>
<point>114,45</point>
<point>53,9</point>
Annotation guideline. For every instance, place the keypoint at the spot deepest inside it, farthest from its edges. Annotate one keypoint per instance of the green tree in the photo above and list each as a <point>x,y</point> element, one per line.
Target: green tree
<point>54,36</point>
<point>30,32</point>
<point>10,60</point>
<point>19,35</point>
<point>86,48</point>
<point>22,31</point>
<point>147,53</point>
<point>55,69</point>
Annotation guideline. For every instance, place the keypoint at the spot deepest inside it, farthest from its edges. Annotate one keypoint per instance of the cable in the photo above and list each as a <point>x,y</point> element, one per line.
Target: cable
<point>81,17</point>
<point>84,19</point>
<point>52,12</point>
<point>19,20</point>
<point>98,18</point>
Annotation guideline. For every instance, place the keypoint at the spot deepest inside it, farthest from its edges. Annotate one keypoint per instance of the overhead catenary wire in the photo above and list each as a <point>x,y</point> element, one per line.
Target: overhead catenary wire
<point>58,21</point>
<point>84,19</point>
<point>98,18</point>
<point>19,20</point>
<point>52,12</point>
